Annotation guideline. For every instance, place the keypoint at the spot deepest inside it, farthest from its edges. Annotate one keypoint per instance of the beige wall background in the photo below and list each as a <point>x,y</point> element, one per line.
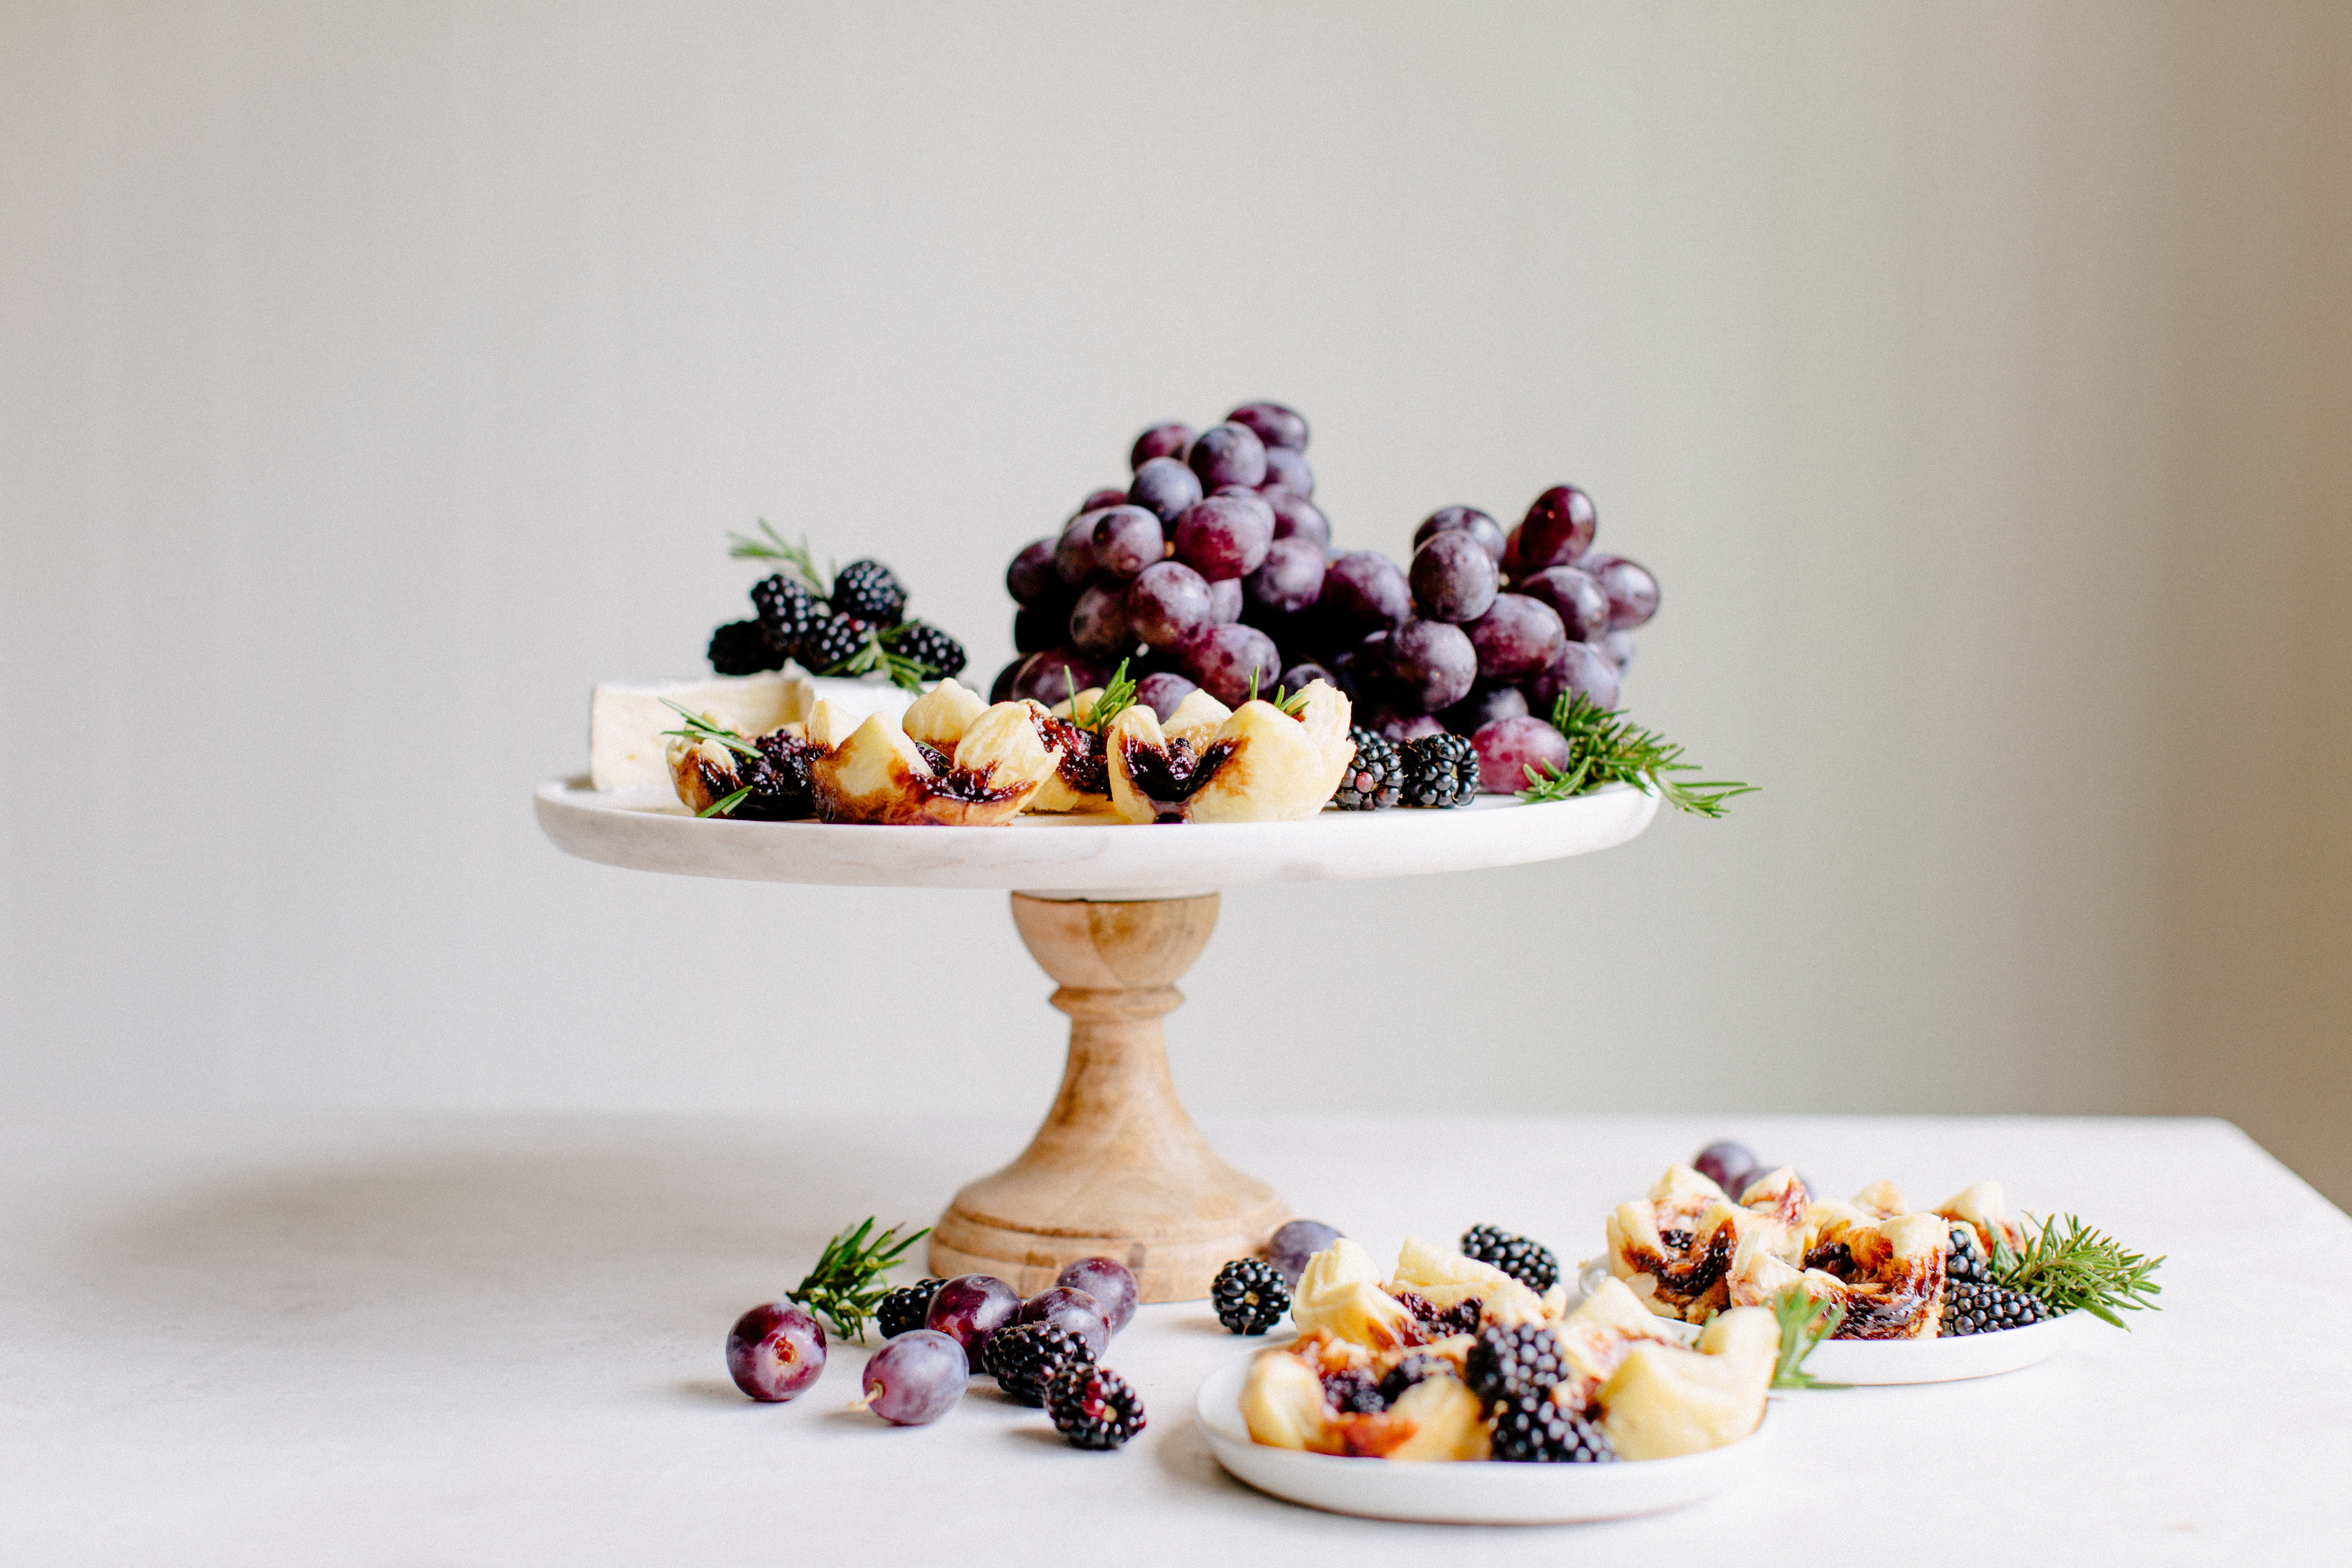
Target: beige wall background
<point>1978,380</point>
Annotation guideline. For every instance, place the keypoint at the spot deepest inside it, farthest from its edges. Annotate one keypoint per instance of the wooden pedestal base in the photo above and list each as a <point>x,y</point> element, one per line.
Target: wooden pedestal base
<point>1118,1169</point>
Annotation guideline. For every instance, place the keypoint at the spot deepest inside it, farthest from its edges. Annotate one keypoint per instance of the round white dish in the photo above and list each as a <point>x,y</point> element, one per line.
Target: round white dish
<point>1884,1363</point>
<point>1940,1360</point>
<point>649,830</point>
<point>1432,1493</point>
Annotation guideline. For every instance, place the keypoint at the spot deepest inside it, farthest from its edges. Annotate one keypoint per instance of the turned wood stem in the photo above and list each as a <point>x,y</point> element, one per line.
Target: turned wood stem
<point>1117,1169</point>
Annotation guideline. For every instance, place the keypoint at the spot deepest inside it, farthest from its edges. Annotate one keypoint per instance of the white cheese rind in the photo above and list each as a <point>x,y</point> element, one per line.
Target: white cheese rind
<point>625,721</point>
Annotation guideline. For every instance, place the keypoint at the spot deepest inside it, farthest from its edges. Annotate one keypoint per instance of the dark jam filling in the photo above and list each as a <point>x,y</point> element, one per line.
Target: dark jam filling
<point>1461,1319</point>
<point>1083,766</point>
<point>965,785</point>
<point>1699,1274</point>
<point>1168,775</point>
<point>778,779</point>
<point>940,760</point>
<point>1832,1257</point>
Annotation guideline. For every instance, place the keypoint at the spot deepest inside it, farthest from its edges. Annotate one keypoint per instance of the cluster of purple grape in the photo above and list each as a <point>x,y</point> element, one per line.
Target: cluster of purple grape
<point>1214,569</point>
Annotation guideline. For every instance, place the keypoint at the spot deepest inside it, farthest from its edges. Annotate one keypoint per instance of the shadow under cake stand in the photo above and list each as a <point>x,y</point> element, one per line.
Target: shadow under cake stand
<point>1115,914</point>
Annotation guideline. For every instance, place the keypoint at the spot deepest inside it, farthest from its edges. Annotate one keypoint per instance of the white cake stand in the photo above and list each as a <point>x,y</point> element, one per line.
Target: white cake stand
<point>1115,914</point>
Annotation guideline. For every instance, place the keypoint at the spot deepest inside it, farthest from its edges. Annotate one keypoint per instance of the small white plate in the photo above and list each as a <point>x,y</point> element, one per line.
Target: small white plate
<point>1435,1493</point>
<point>1878,1362</point>
<point>1942,1360</point>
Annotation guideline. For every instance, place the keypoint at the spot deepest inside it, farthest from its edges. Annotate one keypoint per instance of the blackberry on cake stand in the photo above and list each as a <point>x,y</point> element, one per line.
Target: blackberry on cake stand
<point>1115,915</point>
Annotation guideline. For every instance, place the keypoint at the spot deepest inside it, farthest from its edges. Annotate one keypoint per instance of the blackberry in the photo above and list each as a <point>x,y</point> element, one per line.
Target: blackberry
<point>1964,1260</point>
<point>871,592</point>
<point>1507,1364</point>
<point>1093,1406</point>
<point>1250,1296</point>
<point>1374,778</point>
<point>742,647</point>
<point>789,611</point>
<point>1534,1429</point>
<point>902,1311</point>
<point>834,642</point>
<point>928,646</point>
<point>1529,1262</point>
<point>1413,1369</point>
<point>1440,771</point>
<point>1353,1392</point>
<point>1025,1357</point>
<point>1975,1308</point>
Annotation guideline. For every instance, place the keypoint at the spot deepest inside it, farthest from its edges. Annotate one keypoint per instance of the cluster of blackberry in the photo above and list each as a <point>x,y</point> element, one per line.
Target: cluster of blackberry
<point>1973,1303</point>
<point>826,632</point>
<point>1431,771</point>
<point>1514,1372</point>
<point>1530,1263</point>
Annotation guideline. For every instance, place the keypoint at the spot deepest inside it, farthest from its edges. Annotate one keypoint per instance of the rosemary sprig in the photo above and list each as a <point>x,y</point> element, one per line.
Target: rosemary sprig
<point>2078,1270</point>
<point>773,547</point>
<point>848,1278</point>
<point>1118,697</point>
<point>1804,1323</point>
<point>1605,747</point>
<point>905,673</point>
<point>726,803</point>
<point>1290,702</point>
<point>699,728</point>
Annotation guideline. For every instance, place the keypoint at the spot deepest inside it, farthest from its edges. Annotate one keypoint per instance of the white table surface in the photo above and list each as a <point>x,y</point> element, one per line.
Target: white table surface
<point>497,1341</point>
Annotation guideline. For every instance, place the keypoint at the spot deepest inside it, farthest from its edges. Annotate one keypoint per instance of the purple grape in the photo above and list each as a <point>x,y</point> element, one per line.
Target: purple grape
<point>1224,536</point>
<point>1164,488</point>
<point>1485,705</point>
<point>1633,592</point>
<point>1619,647</point>
<point>1224,658</point>
<point>1001,688</point>
<point>1578,667</point>
<point>1301,675</point>
<point>1051,675</point>
<point>1167,602</point>
<point>1452,577</point>
<point>1098,499</point>
<point>1513,567</point>
<point>1576,595</point>
<point>1469,519</point>
<point>1099,626</point>
<point>1078,1311</point>
<point>1385,721</point>
<point>1169,440</point>
<point>1729,1165</point>
<point>1225,601</point>
<point>1295,517</point>
<point>1035,631</point>
<point>1286,469</point>
<point>776,1351</point>
<point>1290,578</point>
<point>1508,747</point>
<point>1073,553</point>
<point>1161,691</point>
<point>1356,670</point>
<point>1031,580</point>
<point>1429,665</point>
<point>1272,423</point>
<point>916,1378</point>
<point>1516,638</point>
<point>1290,1248</point>
<point>1109,1282</point>
<point>1228,455</point>
<point>970,1307</point>
<point>1363,591</point>
<point>1559,528</point>
<point>1127,538</point>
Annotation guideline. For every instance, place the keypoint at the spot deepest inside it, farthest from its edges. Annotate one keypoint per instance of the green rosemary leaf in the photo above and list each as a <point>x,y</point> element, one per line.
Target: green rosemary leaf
<point>722,806</point>
<point>849,1279</point>
<point>697,728</point>
<point>1604,747</point>
<point>2078,1269</point>
<point>1118,696</point>
<point>1804,1323</point>
<point>772,546</point>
